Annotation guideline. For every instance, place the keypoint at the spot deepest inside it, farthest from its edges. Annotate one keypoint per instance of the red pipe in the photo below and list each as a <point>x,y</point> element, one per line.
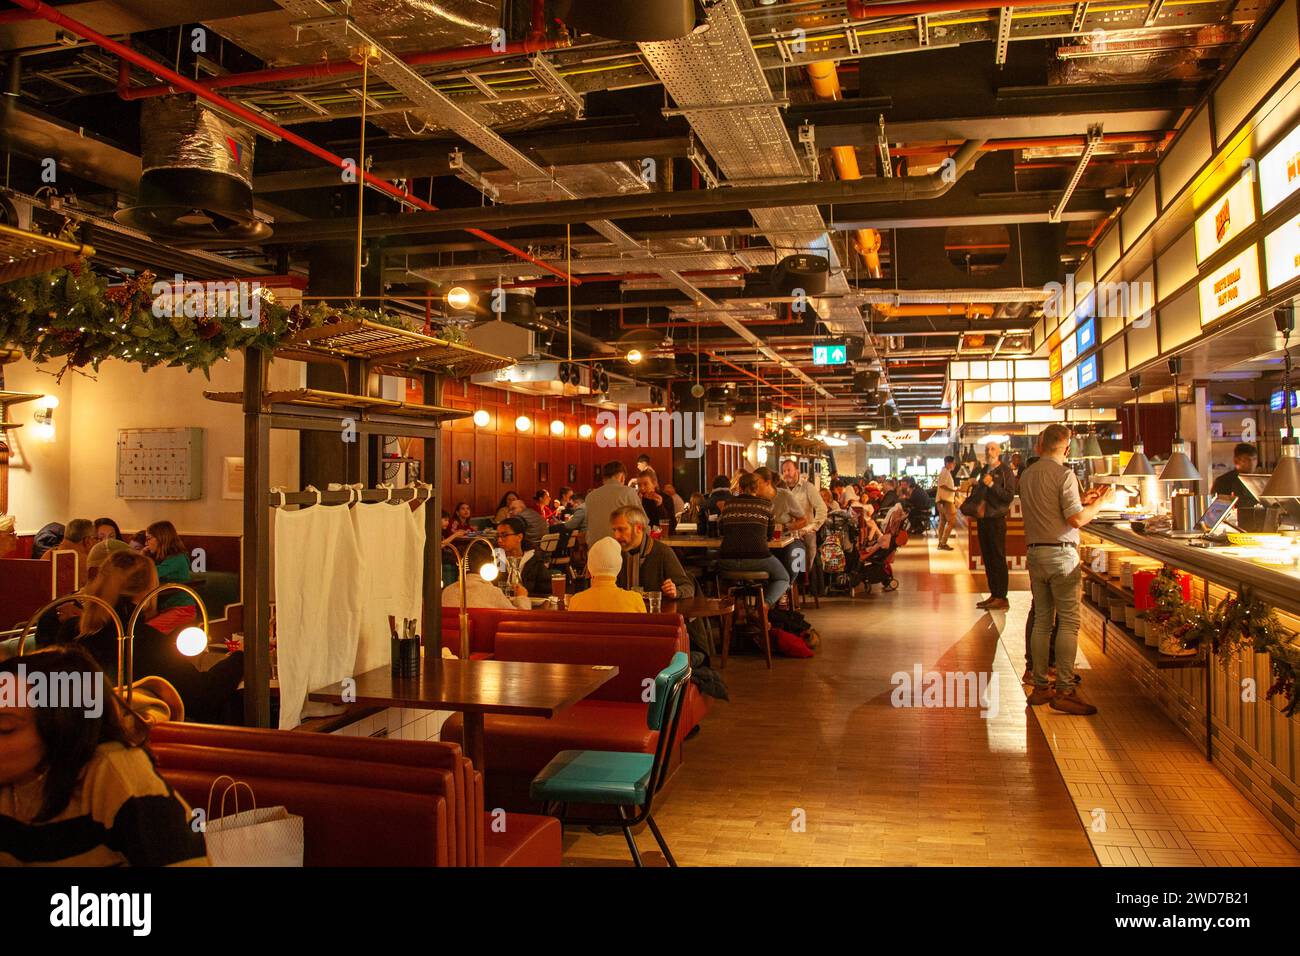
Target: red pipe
<point>539,20</point>
<point>327,68</point>
<point>124,52</point>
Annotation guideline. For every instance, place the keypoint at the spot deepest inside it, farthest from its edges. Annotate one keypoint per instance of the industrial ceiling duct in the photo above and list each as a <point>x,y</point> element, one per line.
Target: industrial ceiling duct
<point>196,182</point>
<point>801,272</point>
<point>637,21</point>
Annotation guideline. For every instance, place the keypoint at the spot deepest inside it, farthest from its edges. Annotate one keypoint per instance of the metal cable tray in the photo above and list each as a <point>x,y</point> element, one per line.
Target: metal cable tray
<point>393,346</point>
<point>316,398</point>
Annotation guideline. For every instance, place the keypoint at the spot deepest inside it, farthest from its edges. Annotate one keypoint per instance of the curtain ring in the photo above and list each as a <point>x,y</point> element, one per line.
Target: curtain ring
<point>314,490</point>
<point>389,499</point>
<point>280,492</point>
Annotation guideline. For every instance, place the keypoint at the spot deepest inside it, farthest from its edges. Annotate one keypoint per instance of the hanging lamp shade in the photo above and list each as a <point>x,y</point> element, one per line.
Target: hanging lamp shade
<point>1285,480</point>
<point>1092,447</point>
<point>1139,466</point>
<point>1179,467</point>
<point>1076,448</point>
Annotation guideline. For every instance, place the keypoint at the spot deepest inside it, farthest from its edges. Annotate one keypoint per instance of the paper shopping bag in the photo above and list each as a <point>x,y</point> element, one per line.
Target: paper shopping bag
<point>260,837</point>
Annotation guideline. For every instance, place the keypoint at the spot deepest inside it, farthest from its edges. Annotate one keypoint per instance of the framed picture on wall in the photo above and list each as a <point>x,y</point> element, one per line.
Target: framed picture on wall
<point>507,472</point>
<point>543,473</point>
<point>232,479</point>
<point>464,471</point>
<point>573,475</point>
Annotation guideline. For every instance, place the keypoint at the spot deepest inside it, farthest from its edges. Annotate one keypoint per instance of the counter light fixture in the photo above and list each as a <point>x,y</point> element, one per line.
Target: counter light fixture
<point>1285,480</point>
<point>1179,467</point>
<point>1139,466</point>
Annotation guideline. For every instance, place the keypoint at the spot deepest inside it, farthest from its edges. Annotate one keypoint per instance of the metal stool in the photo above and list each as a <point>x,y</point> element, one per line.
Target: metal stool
<point>744,585</point>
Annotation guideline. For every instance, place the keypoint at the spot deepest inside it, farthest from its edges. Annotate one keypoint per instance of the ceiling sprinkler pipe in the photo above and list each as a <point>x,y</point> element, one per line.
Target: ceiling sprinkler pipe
<point>124,52</point>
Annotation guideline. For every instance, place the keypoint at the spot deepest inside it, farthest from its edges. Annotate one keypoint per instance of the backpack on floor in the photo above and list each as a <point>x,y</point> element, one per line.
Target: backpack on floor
<point>831,555</point>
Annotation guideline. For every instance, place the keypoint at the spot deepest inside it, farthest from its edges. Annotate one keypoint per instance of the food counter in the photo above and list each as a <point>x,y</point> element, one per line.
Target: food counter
<point>1222,704</point>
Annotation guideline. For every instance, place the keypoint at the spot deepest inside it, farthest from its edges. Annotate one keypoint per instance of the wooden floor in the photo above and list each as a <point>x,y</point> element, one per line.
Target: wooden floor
<point>810,764</point>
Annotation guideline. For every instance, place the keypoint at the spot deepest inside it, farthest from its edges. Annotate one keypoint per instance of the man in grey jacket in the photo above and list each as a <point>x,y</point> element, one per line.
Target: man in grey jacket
<point>648,564</point>
<point>605,500</point>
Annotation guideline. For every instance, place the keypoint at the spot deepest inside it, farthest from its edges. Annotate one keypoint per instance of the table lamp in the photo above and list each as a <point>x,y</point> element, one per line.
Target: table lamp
<point>487,572</point>
<point>191,641</point>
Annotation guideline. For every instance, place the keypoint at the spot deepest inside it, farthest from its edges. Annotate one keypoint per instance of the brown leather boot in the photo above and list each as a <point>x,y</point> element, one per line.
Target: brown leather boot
<point>1041,695</point>
<point>1069,702</point>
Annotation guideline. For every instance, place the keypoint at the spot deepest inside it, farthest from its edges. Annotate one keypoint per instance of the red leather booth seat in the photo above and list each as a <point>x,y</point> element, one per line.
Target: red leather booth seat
<point>415,777</point>
<point>612,718</point>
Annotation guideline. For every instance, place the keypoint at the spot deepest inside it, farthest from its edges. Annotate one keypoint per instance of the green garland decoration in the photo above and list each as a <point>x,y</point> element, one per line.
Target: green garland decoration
<point>1241,623</point>
<point>72,314</point>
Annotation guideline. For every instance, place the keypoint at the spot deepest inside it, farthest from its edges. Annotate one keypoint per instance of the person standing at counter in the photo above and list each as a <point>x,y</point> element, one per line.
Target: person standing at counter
<point>992,492</point>
<point>946,499</point>
<point>1245,461</point>
<point>1054,512</point>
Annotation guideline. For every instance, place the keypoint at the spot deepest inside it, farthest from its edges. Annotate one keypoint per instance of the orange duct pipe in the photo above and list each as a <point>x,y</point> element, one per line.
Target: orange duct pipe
<point>972,311</point>
<point>826,84</point>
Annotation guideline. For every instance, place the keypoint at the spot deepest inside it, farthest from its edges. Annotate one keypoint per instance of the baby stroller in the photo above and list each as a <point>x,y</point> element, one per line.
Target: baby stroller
<point>837,555</point>
<point>878,566</point>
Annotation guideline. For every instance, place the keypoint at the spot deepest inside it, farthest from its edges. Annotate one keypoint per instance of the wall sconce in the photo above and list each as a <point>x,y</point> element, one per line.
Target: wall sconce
<point>481,418</point>
<point>44,417</point>
<point>523,423</point>
<point>584,430</point>
<point>557,428</point>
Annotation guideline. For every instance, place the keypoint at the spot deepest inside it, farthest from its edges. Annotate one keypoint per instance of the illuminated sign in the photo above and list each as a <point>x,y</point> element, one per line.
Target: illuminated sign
<point>1225,218</point>
<point>1230,286</point>
<point>1058,391</point>
<point>1069,350</point>
<point>933,421</point>
<point>895,439</point>
<point>1275,400</point>
<point>1088,372</point>
<point>1282,253</point>
<point>834,353</point>
<point>1070,381</point>
<point>1054,339</point>
<point>1086,336</point>
<point>1054,361</point>
<point>1279,171</point>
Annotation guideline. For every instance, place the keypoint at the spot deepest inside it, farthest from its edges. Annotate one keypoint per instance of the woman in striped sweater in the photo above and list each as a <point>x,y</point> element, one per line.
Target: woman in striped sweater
<point>746,526</point>
<point>77,783</point>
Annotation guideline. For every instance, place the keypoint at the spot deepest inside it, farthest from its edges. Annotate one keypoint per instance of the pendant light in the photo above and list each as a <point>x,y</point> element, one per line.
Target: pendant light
<point>1139,466</point>
<point>1285,480</point>
<point>1076,448</point>
<point>1092,447</point>
<point>1179,467</point>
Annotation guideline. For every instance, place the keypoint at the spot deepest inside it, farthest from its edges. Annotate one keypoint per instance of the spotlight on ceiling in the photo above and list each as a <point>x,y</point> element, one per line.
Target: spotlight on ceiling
<point>459,298</point>
<point>634,357</point>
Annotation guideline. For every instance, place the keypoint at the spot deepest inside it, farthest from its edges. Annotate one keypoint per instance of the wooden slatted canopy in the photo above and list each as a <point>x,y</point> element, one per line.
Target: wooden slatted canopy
<point>24,253</point>
<point>390,346</point>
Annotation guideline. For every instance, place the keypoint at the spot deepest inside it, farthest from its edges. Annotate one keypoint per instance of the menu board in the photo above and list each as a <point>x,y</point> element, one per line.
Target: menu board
<point>1279,170</point>
<point>1069,349</point>
<point>1230,286</point>
<point>1054,362</point>
<point>1058,391</point>
<point>1226,217</point>
<point>1282,253</point>
<point>1088,372</point>
<point>1086,335</point>
<point>1070,381</point>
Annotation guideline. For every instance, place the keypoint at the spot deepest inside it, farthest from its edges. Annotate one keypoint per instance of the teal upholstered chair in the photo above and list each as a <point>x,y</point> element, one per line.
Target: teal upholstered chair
<point>625,780</point>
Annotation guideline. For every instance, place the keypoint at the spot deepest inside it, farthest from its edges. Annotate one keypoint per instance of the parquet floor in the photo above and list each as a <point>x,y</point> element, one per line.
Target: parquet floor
<point>811,764</point>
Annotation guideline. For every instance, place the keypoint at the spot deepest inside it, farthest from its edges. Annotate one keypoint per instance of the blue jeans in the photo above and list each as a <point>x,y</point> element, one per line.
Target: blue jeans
<point>778,580</point>
<point>1055,575</point>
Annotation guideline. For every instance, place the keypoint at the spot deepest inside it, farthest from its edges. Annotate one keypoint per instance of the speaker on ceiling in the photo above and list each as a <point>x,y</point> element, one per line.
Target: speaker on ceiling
<point>801,271</point>
<point>637,21</point>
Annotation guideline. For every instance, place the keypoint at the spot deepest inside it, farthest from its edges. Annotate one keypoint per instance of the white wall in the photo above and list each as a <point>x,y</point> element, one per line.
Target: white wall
<point>75,476</point>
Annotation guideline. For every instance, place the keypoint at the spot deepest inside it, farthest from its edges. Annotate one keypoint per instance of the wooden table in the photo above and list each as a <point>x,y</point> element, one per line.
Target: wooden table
<point>703,606</point>
<point>475,688</point>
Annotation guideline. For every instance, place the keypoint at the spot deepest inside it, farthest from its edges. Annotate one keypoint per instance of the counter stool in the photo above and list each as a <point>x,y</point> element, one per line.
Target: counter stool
<point>745,586</point>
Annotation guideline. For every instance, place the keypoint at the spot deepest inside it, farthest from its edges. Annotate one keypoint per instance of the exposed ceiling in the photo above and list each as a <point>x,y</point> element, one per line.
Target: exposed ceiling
<point>667,177</point>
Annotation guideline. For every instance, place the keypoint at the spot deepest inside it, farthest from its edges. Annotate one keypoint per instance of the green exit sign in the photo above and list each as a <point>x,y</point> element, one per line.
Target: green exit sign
<point>835,353</point>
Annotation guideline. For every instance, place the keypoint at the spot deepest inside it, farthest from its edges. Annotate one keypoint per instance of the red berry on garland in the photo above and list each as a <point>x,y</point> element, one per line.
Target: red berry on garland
<point>207,328</point>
